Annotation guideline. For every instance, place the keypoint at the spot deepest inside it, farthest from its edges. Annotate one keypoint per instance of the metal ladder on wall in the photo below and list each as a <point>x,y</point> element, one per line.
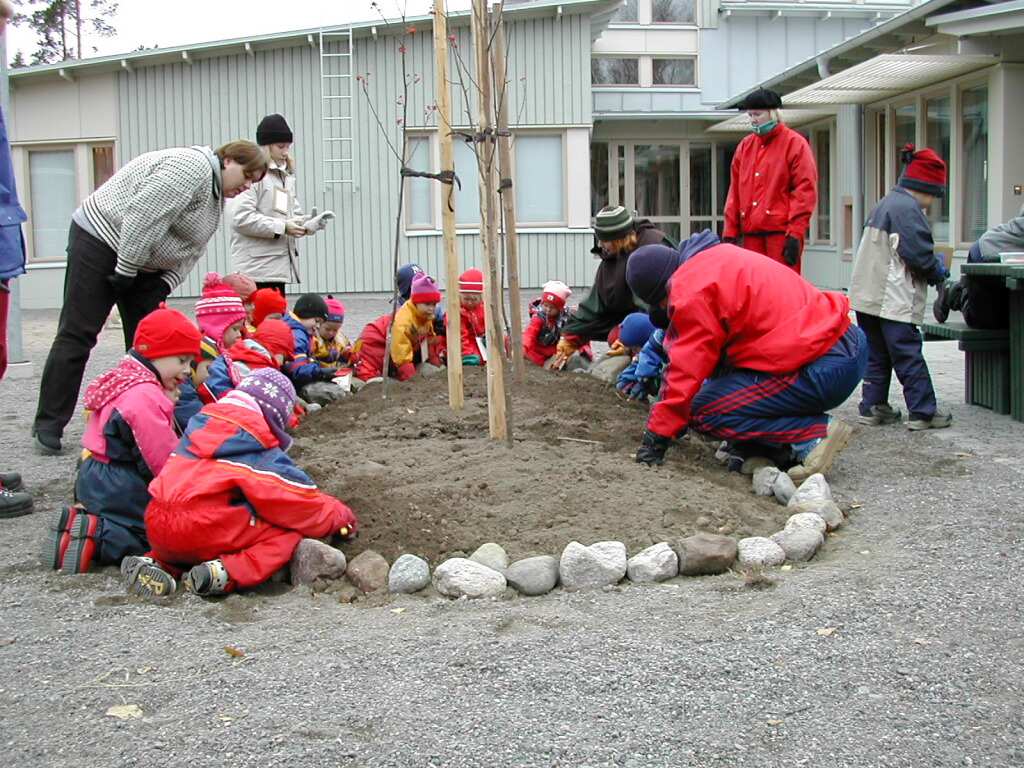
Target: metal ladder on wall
<point>337,93</point>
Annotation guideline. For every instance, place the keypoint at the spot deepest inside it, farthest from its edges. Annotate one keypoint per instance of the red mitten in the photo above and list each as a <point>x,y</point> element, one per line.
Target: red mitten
<point>405,371</point>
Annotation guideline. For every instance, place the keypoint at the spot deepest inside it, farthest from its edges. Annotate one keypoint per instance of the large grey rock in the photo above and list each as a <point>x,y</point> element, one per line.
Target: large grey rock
<point>757,550</point>
<point>607,369</point>
<point>408,574</point>
<point>534,575</point>
<point>814,488</point>
<point>754,463</point>
<point>491,555</point>
<point>656,563</point>
<point>807,520</point>
<point>461,577</point>
<point>783,488</point>
<point>705,554</point>
<point>429,369</point>
<point>799,543</point>
<point>322,392</point>
<point>314,560</point>
<point>827,510</point>
<point>598,565</point>
<point>368,571</point>
<point>764,480</point>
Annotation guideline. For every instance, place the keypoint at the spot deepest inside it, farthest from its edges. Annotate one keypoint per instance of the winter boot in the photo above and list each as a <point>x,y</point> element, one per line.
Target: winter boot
<point>144,577</point>
<point>11,481</point>
<point>82,545</point>
<point>941,306</point>
<point>14,503</point>
<point>58,536</point>
<point>822,455</point>
<point>47,443</point>
<point>940,420</point>
<point>209,578</point>
<point>880,415</point>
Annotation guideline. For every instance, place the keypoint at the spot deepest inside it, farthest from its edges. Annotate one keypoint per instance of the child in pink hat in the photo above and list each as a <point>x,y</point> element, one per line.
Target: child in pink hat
<point>220,314</point>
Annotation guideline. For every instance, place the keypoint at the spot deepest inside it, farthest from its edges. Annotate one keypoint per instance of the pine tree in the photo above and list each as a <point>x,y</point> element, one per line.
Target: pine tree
<point>61,26</point>
<point>18,60</point>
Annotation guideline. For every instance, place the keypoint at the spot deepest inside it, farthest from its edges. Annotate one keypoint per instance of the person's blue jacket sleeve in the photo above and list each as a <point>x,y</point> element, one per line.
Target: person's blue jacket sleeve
<point>916,246</point>
<point>652,359</point>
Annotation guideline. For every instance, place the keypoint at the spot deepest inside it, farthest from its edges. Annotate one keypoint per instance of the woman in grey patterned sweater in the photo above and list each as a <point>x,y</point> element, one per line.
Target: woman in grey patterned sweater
<point>131,243</point>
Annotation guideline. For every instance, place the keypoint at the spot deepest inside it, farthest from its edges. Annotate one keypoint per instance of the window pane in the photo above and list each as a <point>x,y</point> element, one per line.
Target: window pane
<point>938,131</point>
<point>598,176</point>
<point>723,173</point>
<point>821,159</point>
<point>621,171</point>
<point>974,129</point>
<point>675,71</point>
<point>657,180</point>
<point>467,199</point>
<point>904,127</point>
<point>626,13</point>
<point>540,193</point>
<point>614,71</point>
<point>418,192</point>
<point>102,165</point>
<point>700,180</point>
<point>672,11</point>
<point>52,185</point>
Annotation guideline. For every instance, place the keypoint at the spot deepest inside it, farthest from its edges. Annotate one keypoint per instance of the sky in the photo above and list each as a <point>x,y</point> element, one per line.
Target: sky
<point>178,22</point>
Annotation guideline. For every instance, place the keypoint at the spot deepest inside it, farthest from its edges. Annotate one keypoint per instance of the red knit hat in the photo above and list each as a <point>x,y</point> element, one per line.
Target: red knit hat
<point>471,281</point>
<point>925,171</point>
<point>335,310</point>
<point>276,337</point>
<point>241,284</point>
<point>165,333</point>
<point>219,308</point>
<point>424,290</point>
<point>267,301</point>
<point>555,293</point>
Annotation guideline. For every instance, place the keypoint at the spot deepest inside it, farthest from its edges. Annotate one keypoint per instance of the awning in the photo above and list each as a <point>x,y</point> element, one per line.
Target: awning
<point>792,117</point>
<point>884,76</point>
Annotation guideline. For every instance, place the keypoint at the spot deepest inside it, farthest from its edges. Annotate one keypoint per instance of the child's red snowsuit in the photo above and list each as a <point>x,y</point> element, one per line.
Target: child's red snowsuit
<point>471,327</point>
<point>368,351</point>
<point>229,492</point>
<point>540,337</point>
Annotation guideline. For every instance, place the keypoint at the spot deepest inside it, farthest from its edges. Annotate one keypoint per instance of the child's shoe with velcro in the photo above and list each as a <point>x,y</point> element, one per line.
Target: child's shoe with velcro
<point>144,577</point>
<point>81,546</point>
<point>880,415</point>
<point>58,536</point>
<point>209,578</point>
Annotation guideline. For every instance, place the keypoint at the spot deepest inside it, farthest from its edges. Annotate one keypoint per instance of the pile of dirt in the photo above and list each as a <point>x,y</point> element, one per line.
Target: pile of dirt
<point>426,480</point>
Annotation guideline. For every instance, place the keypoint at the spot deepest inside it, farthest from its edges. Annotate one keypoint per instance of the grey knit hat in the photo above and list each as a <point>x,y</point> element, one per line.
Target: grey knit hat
<point>613,222</point>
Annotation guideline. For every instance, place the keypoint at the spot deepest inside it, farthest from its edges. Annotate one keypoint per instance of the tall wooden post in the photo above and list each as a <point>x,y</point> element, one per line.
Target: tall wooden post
<point>496,412</point>
<point>508,200</point>
<point>444,116</point>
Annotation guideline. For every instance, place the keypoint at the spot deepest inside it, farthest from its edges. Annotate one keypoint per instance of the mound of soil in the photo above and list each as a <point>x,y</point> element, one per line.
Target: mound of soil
<point>426,480</point>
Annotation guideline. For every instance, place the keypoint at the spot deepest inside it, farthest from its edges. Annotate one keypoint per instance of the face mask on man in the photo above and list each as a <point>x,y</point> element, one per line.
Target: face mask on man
<point>764,128</point>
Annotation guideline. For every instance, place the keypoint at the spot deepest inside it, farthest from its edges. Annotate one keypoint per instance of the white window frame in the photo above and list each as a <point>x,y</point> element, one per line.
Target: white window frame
<point>633,57</point>
<point>814,130</point>
<point>564,221</point>
<point>434,162</point>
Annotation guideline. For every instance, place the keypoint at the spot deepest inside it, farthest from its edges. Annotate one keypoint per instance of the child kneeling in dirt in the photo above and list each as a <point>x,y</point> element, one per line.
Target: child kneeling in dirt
<point>230,506</point>
<point>548,314</point>
<point>128,438</point>
<point>413,338</point>
<point>331,347</point>
<point>641,380</point>
<point>626,340</point>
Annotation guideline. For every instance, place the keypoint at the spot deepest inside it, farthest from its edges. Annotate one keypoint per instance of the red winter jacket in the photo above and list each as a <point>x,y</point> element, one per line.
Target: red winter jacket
<point>368,352</point>
<point>733,306</point>
<point>773,187</point>
<point>471,326</point>
<point>534,337</point>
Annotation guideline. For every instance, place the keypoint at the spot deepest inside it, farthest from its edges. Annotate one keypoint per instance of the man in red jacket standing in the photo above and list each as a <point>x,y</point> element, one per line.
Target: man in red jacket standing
<point>756,353</point>
<point>773,187</point>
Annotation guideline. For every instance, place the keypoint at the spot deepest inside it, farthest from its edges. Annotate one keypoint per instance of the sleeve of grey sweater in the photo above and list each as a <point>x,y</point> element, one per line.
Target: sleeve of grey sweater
<point>159,201</point>
<point>1003,238</point>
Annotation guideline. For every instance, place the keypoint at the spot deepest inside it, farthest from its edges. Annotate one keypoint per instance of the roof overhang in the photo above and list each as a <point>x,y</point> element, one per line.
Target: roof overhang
<point>998,19</point>
<point>884,76</point>
<point>792,117</point>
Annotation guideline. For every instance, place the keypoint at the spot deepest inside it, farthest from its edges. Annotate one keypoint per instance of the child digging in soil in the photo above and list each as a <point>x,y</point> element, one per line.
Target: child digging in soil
<point>267,304</point>
<point>331,347</point>
<point>230,508</point>
<point>219,313</point>
<point>641,379</point>
<point>472,321</point>
<point>548,314</point>
<point>128,438</point>
<point>309,312</point>
<point>270,347</point>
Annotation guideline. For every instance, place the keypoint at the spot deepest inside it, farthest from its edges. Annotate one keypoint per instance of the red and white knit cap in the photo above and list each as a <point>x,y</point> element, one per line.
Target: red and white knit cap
<point>555,292</point>
<point>471,281</point>
<point>219,308</point>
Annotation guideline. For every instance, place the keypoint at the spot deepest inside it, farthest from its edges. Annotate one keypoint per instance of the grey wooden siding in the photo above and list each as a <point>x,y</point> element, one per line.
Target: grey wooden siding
<point>214,100</point>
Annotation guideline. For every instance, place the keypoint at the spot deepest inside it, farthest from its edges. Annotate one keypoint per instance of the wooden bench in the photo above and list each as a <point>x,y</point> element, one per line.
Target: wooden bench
<point>986,362</point>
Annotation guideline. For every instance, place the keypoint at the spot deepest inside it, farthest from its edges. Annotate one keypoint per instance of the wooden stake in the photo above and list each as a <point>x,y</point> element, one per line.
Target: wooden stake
<point>496,412</point>
<point>508,201</point>
<point>444,116</point>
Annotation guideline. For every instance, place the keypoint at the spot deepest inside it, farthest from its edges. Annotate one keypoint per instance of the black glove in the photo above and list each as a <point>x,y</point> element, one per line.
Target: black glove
<point>731,240</point>
<point>791,251</point>
<point>652,448</point>
<point>120,284</point>
<point>327,374</point>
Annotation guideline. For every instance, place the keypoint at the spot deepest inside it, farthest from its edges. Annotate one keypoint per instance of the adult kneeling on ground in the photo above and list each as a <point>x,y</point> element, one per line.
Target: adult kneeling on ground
<point>131,243</point>
<point>618,234</point>
<point>756,353</point>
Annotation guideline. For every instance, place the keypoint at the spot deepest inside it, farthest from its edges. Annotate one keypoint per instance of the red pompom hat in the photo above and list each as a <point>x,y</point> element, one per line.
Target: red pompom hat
<point>276,337</point>
<point>925,171</point>
<point>471,281</point>
<point>267,301</point>
<point>335,310</point>
<point>166,333</point>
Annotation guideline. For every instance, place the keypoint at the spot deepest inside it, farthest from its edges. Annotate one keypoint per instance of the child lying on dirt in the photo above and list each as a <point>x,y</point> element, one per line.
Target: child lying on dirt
<point>231,506</point>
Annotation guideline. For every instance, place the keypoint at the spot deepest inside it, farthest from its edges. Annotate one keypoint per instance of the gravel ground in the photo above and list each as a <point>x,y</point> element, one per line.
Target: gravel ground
<point>924,667</point>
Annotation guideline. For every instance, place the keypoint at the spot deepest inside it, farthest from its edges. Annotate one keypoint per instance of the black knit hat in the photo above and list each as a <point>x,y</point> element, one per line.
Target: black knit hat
<point>310,305</point>
<point>762,98</point>
<point>273,129</point>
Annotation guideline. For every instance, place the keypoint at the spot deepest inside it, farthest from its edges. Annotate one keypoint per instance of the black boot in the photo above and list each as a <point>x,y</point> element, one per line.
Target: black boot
<point>14,503</point>
<point>941,306</point>
<point>11,481</point>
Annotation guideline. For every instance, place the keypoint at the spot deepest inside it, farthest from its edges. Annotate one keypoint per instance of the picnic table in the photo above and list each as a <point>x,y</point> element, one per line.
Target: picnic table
<point>1013,276</point>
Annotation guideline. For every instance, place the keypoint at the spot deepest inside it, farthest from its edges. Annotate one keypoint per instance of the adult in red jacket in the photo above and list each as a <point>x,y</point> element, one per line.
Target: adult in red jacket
<point>773,187</point>
<point>230,502</point>
<point>755,352</point>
